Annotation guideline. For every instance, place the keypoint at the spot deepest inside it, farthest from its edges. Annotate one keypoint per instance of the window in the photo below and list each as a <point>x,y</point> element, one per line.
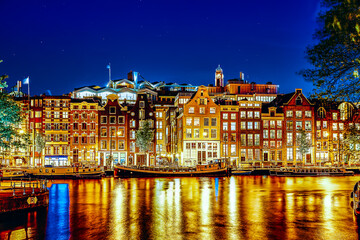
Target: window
<point>289,113</point>
<point>250,139</point>
<point>103,132</point>
<point>243,139</point>
<point>272,124</point>
<point>83,126</point>
<point>233,150</point>
<point>278,124</point>
<point>83,116</point>
<point>256,125</point>
<point>289,125</point>
<point>266,144</point>
<point>289,139</point>
<point>307,125</point>
<point>266,124</point>
<point>159,136</point>
<point>233,116</point>
<point>84,140</point>
<point>233,126</point>
<point>206,133</point>
<point>225,116</point>
<point>341,126</point>
<point>92,126</point>
<point>324,124</point>
<point>225,126</point>
<point>196,121</point>
<point>243,125</point>
<point>103,144</point>
<point>38,114</point>
<point>92,139</point>
<point>121,145</point>
<point>298,101</point>
<point>213,122</point>
<point>132,123</point>
<point>250,114</point>
<point>257,140</point>
<point>75,126</point>
<point>103,119</point>
<point>266,134</point>
<point>298,125</point>
<point>132,134</point>
<point>272,134</point>
<point>112,119</point>
<point>298,114</point>
<point>257,114</point>
<point>202,110</point>
<point>213,133</point>
<point>142,104</point>
<point>92,116</point>
<point>191,110</point>
<point>159,124</point>
<point>308,114</point>
<point>132,146</point>
<point>242,114</point>
<point>56,114</point>
<point>196,133</point>
<point>206,122</point>
<point>335,126</point>
<point>249,125</point>
<point>233,137</point>
<point>47,126</point>
<point>121,119</point>
<point>335,116</point>
<point>212,110</point>
<point>289,154</point>
<point>121,132</point>
<point>279,134</point>
<point>188,133</point>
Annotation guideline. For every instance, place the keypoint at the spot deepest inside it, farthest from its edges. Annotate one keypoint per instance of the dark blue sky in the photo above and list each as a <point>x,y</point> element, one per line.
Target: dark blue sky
<point>63,45</point>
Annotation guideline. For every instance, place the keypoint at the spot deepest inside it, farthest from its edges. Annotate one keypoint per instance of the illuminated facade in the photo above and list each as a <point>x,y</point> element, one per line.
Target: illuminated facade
<point>84,131</point>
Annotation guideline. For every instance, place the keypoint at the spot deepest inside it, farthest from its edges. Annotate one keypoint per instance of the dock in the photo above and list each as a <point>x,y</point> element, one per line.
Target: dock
<point>23,195</point>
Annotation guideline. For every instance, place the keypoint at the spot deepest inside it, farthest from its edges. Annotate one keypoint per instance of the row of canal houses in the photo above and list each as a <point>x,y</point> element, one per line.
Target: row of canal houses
<point>241,122</point>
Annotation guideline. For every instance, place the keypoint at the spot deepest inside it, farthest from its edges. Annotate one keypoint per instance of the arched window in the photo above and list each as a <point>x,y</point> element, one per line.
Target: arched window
<point>321,112</point>
<point>298,100</point>
<point>346,111</point>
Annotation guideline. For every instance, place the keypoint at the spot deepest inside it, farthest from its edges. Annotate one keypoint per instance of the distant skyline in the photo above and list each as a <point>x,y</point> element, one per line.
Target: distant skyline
<point>62,45</point>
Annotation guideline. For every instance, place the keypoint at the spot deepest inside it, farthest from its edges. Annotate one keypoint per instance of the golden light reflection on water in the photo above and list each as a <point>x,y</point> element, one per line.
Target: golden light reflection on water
<point>244,207</point>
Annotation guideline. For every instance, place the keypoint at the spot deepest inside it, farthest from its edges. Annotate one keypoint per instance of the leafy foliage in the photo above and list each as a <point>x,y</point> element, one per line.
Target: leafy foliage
<point>144,136</point>
<point>351,143</point>
<point>39,142</point>
<point>303,142</point>
<point>10,120</point>
<point>336,56</point>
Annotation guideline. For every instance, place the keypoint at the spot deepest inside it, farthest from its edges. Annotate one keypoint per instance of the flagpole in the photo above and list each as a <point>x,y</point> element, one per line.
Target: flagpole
<point>109,72</point>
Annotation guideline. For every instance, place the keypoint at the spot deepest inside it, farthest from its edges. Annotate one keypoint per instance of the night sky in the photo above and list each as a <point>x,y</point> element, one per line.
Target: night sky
<point>64,45</point>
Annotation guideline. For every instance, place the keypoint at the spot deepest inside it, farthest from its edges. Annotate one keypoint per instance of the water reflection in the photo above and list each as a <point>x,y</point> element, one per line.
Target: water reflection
<point>243,207</point>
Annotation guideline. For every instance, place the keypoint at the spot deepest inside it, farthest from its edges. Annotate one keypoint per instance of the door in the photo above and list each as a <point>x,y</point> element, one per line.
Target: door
<point>140,159</point>
<point>266,156</point>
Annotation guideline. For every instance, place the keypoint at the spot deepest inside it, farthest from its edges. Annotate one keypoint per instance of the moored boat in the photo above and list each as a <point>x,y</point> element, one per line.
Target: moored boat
<point>66,172</point>
<point>7,174</point>
<point>209,170</point>
<point>355,199</point>
<point>303,172</point>
<point>241,172</point>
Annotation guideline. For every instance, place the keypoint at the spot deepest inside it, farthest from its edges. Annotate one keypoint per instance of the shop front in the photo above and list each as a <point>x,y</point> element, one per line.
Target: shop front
<point>56,160</point>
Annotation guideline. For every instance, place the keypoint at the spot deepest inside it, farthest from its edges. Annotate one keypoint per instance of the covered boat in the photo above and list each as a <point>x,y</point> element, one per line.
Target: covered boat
<point>303,172</point>
<point>209,170</point>
<point>66,172</point>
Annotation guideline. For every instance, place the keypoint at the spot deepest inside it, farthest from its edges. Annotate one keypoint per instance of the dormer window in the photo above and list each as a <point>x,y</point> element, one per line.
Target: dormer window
<point>298,101</point>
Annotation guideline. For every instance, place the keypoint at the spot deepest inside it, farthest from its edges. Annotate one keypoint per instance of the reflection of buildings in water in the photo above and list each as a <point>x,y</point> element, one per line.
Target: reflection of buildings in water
<point>23,225</point>
<point>58,221</point>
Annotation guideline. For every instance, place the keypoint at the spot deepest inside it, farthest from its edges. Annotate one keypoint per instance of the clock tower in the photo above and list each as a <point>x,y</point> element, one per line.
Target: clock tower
<point>219,77</point>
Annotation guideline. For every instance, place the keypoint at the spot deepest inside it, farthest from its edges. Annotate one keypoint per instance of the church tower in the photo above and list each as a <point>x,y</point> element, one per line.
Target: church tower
<point>219,77</point>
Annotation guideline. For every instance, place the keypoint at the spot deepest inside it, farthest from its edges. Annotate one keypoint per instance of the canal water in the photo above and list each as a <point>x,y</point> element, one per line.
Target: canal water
<point>237,207</point>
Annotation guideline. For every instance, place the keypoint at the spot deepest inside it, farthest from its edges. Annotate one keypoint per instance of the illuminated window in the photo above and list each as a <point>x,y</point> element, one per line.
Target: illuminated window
<point>103,132</point>
<point>196,133</point>
<point>324,124</point>
<point>266,124</point>
<point>196,121</point>
<point>266,134</point>
<point>250,139</point>
<point>225,116</point>
<point>257,114</point>
<point>289,125</point>
<point>122,145</point>
<point>142,104</point>
<point>206,133</point>
<point>56,114</point>
<point>191,110</point>
<point>233,116</point>
<point>279,134</point>
<point>289,139</point>
<point>188,133</point>
<point>188,121</point>
<point>308,114</point>
<point>242,114</point>
<point>121,132</point>
<point>202,110</point>
<point>250,114</point>
<point>298,114</point>
<point>249,125</point>
<point>278,124</point>
<point>233,126</point>
<point>213,133</point>
<point>225,126</point>
<point>335,126</point>
<point>272,134</point>
<point>103,144</point>
<point>243,139</point>
<point>212,110</point>
<point>289,113</point>
<point>298,125</point>
<point>103,119</point>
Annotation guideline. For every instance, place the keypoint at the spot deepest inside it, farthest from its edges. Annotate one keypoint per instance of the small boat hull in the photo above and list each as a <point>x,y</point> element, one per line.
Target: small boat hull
<point>310,172</point>
<point>126,172</point>
<point>241,172</point>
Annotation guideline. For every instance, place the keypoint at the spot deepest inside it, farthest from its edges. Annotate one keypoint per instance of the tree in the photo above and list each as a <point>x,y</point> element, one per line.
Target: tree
<point>351,143</point>
<point>10,120</point>
<point>144,136</point>
<point>303,143</point>
<point>335,59</point>
<point>39,143</point>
